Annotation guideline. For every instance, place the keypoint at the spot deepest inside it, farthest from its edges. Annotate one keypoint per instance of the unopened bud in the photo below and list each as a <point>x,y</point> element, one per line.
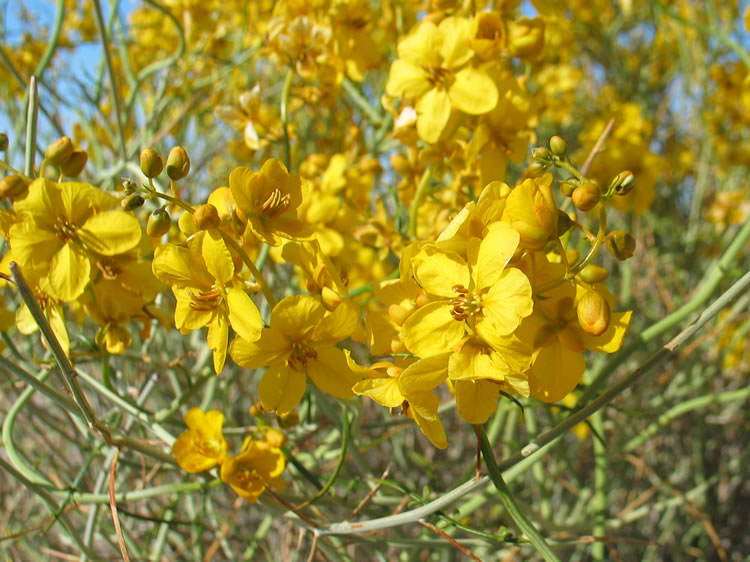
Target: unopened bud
<point>290,419</point>
<point>151,163</point>
<point>541,154</point>
<point>13,187</point>
<point>531,210</point>
<point>586,196</point>
<point>593,313</point>
<point>131,202</point>
<point>274,437</point>
<point>567,187</point>
<point>75,164</point>
<point>158,223</point>
<point>526,37</point>
<point>593,274</point>
<point>623,183</point>
<point>178,163</point>
<point>256,410</point>
<point>59,151</point>
<point>620,244</point>
<point>127,185</point>
<point>558,146</point>
<point>206,216</point>
<point>536,169</point>
<point>3,141</point>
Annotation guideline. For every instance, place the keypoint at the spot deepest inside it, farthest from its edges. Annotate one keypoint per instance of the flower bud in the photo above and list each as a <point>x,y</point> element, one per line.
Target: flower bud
<point>274,437</point>
<point>487,35</point>
<point>620,244</point>
<point>623,183</point>
<point>541,154</point>
<point>59,151</point>
<point>593,274</point>
<point>531,210</point>
<point>13,187</point>
<point>526,37</point>
<point>256,410</point>
<point>178,163</point>
<point>151,163</point>
<point>127,185</point>
<point>567,187</point>
<point>586,196</point>
<point>536,169</point>
<point>558,146</point>
<point>206,216</point>
<point>131,202</point>
<point>3,141</point>
<point>75,164</point>
<point>289,419</point>
<point>158,223</point>
<point>593,313</point>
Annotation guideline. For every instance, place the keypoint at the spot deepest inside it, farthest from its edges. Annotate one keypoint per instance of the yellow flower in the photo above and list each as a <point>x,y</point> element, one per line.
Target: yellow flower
<point>300,343</point>
<point>200,276</point>
<point>431,69</point>
<point>203,445</point>
<point>258,465</point>
<point>270,199</point>
<point>480,295</point>
<point>531,210</point>
<point>63,227</point>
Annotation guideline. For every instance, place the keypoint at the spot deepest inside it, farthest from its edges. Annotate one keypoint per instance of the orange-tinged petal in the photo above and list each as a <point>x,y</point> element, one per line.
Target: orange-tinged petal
<point>556,371</point>
<point>431,330</point>
<point>69,273</point>
<point>439,271</point>
<point>505,304</point>
<point>244,315</point>
<point>433,111</point>
<point>272,347</point>
<point>217,338</point>
<point>473,92</point>
<point>111,232</point>
<point>331,373</point>
<point>281,389</point>
<point>476,400</point>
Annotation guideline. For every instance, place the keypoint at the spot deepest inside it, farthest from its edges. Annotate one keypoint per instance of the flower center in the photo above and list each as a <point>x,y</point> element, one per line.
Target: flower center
<point>275,204</point>
<point>439,77</point>
<point>301,352</point>
<point>205,300</point>
<point>465,304</point>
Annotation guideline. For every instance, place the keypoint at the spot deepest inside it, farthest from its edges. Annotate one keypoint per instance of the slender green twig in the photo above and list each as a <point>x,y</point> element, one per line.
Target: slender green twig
<point>510,502</point>
<point>53,39</point>
<point>32,114</point>
<point>419,196</point>
<point>116,104</point>
<point>345,424</point>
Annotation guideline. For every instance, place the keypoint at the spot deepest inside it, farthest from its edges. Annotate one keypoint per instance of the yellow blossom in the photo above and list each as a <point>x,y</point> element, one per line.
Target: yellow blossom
<point>258,465</point>
<point>203,445</point>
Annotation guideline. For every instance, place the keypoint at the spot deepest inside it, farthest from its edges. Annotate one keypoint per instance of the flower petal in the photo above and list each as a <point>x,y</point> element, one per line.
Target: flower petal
<point>281,389</point>
<point>111,232</point>
<point>473,92</point>
<point>476,400</point>
<point>431,329</point>
<point>244,315</point>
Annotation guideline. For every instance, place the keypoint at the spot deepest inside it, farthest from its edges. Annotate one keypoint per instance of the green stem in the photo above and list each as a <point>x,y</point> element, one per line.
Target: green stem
<point>713,277</point>
<point>285,117</point>
<point>509,501</point>
<point>361,102</point>
<point>600,487</point>
<point>345,424</point>
<point>32,115</point>
<point>53,40</point>
<point>419,196</point>
<point>117,106</point>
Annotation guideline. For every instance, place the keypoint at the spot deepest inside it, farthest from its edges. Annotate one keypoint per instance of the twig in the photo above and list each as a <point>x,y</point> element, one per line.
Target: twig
<point>113,507</point>
<point>450,539</point>
<point>597,146</point>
